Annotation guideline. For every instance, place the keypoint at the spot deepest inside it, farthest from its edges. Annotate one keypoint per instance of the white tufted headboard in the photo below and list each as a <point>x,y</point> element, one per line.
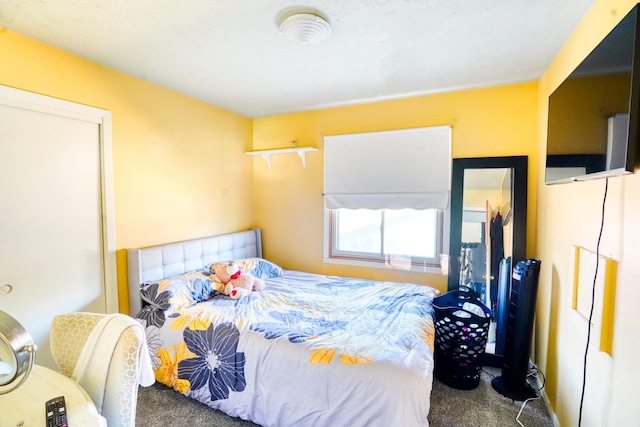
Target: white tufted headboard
<point>163,261</point>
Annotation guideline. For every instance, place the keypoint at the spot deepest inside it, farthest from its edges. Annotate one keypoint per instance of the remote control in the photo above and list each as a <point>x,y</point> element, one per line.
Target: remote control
<point>56,412</point>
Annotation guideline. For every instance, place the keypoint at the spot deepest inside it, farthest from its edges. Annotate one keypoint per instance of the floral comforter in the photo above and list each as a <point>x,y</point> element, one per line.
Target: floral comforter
<point>308,350</point>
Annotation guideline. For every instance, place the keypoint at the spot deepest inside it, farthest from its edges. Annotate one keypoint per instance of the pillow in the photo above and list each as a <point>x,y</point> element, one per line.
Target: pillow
<point>183,290</point>
<point>259,267</point>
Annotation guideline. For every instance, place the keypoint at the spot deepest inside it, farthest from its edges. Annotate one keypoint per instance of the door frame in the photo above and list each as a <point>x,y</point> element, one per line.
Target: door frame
<point>19,98</point>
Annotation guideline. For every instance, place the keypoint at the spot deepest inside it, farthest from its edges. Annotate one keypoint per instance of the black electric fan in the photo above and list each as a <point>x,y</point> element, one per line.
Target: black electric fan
<point>519,328</point>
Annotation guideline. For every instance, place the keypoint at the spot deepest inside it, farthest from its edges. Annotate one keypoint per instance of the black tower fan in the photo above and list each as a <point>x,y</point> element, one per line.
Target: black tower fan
<point>517,345</point>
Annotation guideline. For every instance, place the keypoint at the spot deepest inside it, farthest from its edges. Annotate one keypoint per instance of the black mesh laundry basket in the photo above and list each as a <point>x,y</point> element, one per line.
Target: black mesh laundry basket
<point>461,336</point>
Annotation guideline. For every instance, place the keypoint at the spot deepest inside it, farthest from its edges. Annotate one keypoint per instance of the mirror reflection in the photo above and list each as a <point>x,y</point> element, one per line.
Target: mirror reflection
<point>486,234</point>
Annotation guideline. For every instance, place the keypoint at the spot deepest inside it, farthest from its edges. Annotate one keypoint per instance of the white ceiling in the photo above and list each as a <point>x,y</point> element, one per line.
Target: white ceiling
<point>229,52</point>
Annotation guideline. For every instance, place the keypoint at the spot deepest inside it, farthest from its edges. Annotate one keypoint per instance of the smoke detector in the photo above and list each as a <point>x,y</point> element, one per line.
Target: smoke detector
<point>305,28</point>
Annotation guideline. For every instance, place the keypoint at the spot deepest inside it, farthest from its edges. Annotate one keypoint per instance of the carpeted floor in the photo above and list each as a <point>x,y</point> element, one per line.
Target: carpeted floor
<point>481,407</point>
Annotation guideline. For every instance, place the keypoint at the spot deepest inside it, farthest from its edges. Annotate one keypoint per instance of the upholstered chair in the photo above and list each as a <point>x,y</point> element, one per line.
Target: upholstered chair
<point>107,355</point>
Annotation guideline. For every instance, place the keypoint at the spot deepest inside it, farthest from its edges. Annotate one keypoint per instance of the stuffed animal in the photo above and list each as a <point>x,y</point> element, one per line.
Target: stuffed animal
<point>237,284</point>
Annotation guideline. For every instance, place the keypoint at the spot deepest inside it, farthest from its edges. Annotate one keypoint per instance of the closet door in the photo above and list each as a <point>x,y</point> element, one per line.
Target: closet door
<point>51,227</point>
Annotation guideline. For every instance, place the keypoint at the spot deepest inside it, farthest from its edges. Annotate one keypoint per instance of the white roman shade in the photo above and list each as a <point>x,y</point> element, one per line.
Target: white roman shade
<point>398,169</point>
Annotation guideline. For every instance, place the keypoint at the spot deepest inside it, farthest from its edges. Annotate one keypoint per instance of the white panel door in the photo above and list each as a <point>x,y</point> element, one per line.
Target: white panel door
<point>51,233</point>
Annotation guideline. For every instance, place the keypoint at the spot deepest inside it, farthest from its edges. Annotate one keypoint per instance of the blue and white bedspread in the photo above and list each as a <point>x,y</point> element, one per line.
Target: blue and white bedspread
<point>308,350</point>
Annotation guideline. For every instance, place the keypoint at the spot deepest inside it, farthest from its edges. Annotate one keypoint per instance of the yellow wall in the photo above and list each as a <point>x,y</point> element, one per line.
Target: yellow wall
<point>496,121</point>
<point>569,214</point>
<point>179,168</point>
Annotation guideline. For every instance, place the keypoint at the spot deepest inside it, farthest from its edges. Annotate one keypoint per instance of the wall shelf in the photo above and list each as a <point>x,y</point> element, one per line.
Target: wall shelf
<point>266,154</point>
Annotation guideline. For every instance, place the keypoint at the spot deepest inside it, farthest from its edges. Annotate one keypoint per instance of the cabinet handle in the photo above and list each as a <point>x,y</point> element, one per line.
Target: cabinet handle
<point>5,289</point>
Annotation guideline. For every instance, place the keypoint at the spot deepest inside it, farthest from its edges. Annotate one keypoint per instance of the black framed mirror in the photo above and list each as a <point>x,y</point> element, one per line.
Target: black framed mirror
<point>488,221</point>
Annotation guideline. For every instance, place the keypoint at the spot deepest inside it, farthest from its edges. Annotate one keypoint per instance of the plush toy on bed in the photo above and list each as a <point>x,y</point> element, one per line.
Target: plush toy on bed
<point>237,284</point>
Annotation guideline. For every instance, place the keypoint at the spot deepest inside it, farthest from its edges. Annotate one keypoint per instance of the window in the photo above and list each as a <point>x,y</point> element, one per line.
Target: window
<point>406,238</point>
<point>386,194</point>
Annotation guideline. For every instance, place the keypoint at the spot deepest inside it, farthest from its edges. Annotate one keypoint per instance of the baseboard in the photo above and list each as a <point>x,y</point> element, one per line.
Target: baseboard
<point>543,396</point>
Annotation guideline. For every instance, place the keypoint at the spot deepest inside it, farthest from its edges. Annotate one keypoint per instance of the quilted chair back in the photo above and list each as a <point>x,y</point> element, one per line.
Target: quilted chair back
<point>69,333</point>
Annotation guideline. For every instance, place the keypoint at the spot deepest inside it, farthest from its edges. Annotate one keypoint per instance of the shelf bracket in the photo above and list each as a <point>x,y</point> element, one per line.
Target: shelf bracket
<point>302,158</point>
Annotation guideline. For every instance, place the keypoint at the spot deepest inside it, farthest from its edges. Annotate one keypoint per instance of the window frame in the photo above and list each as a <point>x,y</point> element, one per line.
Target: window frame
<point>367,260</point>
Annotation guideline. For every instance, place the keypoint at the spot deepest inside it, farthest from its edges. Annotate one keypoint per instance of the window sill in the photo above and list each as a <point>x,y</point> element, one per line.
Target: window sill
<point>404,266</point>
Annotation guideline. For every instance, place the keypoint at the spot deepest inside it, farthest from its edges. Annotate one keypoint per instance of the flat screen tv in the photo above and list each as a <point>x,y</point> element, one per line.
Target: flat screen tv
<point>593,115</point>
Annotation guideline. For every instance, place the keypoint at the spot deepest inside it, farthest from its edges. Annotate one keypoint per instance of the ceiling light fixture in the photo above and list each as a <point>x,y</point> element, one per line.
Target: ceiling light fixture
<point>305,28</point>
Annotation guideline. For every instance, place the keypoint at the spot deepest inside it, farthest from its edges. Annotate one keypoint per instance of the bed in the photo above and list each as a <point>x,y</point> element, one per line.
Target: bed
<point>307,350</point>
